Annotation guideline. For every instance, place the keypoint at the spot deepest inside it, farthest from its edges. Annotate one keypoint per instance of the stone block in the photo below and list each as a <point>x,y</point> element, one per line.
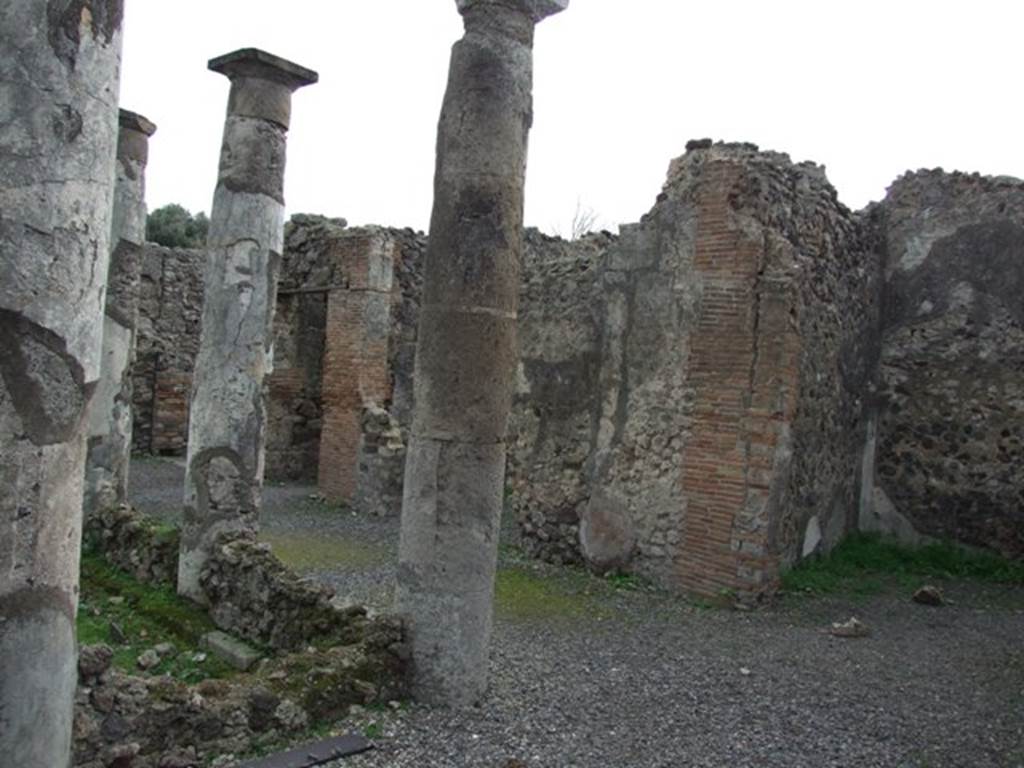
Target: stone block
<point>231,650</point>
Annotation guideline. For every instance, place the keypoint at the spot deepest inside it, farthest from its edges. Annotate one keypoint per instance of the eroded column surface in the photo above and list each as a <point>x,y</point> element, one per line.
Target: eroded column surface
<point>224,476</point>
<point>59,70</point>
<point>466,352</point>
<point>110,413</point>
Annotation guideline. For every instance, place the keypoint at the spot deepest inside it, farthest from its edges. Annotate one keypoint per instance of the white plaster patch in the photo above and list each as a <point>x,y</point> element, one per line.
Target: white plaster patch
<point>812,537</point>
<point>117,345</point>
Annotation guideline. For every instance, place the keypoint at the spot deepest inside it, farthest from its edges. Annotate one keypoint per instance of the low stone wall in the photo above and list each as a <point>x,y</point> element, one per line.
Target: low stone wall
<point>150,722</point>
<point>135,544</point>
<point>159,722</point>
<point>254,595</point>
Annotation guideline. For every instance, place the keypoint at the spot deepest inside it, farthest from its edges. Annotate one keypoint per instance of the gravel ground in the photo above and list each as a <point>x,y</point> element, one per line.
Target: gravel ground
<point>637,678</point>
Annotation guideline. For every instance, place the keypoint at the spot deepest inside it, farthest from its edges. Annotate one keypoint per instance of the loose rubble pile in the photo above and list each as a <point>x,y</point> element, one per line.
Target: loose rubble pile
<point>161,722</point>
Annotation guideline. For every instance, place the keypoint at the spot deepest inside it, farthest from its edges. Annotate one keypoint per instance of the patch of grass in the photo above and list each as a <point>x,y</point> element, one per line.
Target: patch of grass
<point>147,615</point>
<point>628,582</point>
<point>865,564</point>
<point>524,594</point>
<point>317,551</point>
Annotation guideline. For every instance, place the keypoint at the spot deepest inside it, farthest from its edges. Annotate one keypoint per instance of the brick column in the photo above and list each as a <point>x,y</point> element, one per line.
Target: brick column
<point>355,369</point>
<point>743,372</point>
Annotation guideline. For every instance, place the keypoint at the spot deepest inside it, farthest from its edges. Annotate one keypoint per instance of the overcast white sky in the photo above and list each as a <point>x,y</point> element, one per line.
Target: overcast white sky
<point>868,88</point>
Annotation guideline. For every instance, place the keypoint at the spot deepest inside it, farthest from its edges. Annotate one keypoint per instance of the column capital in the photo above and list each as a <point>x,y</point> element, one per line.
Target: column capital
<point>132,121</point>
<point>260,65</point>
<point>538,10</point>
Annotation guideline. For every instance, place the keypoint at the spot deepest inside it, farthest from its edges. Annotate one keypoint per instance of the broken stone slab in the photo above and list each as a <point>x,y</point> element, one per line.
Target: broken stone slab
<point>148,659</point>
<point>231,650</point>
<point>852,628</point>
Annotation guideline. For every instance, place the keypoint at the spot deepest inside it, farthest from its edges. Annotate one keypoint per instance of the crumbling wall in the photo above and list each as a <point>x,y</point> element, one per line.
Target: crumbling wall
<point>713,363</point>
<point>170,309</point>
<point>158,721</point>
<point>554,407</point>
<point>294,386</point>
<point>950,410</point>
<point>373,292</point>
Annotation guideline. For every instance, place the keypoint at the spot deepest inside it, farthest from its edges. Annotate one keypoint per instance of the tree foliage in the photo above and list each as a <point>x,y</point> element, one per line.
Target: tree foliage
<point>172,226</point>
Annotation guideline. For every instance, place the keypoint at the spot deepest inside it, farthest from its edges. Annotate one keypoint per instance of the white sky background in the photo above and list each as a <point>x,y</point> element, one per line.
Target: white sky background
<point>868,88</point>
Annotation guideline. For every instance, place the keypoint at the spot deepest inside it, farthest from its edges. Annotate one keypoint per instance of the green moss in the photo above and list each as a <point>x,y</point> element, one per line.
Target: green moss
<point>147,616</point>
<point>317,551</point>
<point>524,594</point>
<point>866,564</point>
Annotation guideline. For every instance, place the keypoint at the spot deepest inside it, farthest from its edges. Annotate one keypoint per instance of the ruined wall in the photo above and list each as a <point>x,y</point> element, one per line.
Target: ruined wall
<point>554,408</point>
<point>696,396</point>
<point>170,307</point>
<point>346,314</point>
<point>372,312</point>
<point>950,422</point>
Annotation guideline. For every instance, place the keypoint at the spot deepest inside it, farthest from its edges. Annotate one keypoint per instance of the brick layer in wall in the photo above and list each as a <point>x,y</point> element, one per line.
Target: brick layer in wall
<point>170,412</point>
<point>742,355</point>
<point>355,368</point>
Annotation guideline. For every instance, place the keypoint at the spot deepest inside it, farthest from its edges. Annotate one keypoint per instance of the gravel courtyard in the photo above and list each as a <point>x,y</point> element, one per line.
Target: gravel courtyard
<point>585,672</point>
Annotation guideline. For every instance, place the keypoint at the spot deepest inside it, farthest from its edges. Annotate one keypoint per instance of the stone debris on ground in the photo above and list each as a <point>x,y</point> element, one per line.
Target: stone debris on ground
<point>929,595</point>
<point>853,627</point>
<point>231,650</point>
<point>650,681</point>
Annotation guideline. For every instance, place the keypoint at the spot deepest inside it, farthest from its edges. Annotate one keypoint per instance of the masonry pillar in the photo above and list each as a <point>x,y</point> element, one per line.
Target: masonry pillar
<point>224,475</point>
<point>466,351</point>
<point>59,71</point>
<point>110,413</point>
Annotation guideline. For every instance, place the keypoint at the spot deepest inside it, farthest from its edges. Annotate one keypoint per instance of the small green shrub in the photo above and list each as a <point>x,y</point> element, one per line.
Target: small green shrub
<point>865,563</point>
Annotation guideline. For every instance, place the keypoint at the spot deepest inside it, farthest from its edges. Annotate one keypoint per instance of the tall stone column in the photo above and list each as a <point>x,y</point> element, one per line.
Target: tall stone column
<point>466,351</point>
<point>110,413</point>
<point>224,476</point>
<point>59,72</point>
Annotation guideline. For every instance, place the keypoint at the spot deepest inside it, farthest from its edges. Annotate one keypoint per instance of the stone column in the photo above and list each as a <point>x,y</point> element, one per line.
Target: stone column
<point>466,352</point>
<point>59,71</point>
<point>110,413</point>
<point>224,476</point>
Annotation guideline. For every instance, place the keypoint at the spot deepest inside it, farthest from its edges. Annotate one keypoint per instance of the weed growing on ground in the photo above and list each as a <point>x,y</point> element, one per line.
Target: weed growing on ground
<point>113,603</point>
<point>313,551</point>
<point>866,564</point>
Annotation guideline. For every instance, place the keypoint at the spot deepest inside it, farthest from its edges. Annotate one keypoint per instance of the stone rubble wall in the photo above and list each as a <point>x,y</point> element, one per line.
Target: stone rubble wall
<point>696,397</point>
<point>170,308</point>
<point>135,544</point>
<point>555,403</point>
<point>950,406</point>
<point>158,722</point>
<point>727,339</point>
